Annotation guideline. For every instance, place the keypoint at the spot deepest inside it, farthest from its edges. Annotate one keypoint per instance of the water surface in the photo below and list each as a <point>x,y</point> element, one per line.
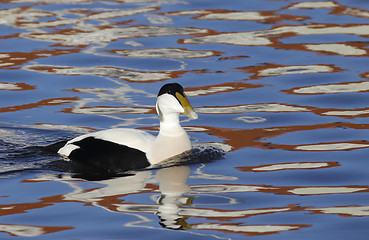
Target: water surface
<point>280,84</point>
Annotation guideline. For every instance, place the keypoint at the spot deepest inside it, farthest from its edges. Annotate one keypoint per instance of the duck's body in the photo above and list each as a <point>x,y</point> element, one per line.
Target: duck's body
<point>123,149</point>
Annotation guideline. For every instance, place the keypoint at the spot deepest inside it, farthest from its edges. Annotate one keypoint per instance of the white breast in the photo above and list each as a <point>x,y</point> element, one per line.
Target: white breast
<point>166,146</point>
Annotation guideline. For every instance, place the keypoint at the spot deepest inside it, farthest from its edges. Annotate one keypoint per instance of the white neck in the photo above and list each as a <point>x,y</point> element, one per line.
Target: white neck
<point>171,140</point>
<point>169,125</point>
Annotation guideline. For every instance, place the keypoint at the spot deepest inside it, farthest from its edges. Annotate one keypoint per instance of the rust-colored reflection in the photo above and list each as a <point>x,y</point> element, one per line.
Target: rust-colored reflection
<point>257,107</point>
<point>50,126</point>
<point>288,166</point>
<point>365,75</point>
<point>91,31</point>
<point>106,34</point>
<point>345,211</point>
<point>336,8</point>
<point>30,230</point>
<point>225,87</point>
<point>16,86</point>
<point>177,200</point>
<point>346,113</point>
<point>19,208</point>
<point>249,230</point>
<point>42,103</point>
<point>210,213</point>
<point>239,139</point>
<point>115,72</point>
<point>280,190</point>
<point>120,95</point>
<point>275,36</point>
<point>271,69</point>
<point>166,53</point>
<point>110,110</point>
<point>280,108</point>
<point>172,203</point>
<point>351,49</point>
<point>345,87</point>
<point>14,60</point>
<point>224,14</point>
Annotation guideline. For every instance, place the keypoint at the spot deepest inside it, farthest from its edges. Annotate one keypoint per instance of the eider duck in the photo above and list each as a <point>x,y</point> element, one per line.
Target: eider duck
<point>123,149</point>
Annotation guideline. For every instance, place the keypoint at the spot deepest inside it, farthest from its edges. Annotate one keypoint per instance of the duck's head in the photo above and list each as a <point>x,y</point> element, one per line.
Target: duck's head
<point>171,99</point>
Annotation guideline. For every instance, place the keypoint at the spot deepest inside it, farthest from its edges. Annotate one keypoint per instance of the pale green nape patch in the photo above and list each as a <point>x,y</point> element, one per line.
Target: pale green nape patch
<point>161,116</point>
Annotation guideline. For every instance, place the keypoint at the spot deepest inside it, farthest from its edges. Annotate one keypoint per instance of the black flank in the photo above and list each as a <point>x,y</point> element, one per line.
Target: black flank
<point>100,157</point>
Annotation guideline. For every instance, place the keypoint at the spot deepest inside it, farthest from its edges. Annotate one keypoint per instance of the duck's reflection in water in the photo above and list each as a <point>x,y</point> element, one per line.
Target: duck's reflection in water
<point>112,188</point>
<point>162,197</point>
<point>174,207</point>
<point>172,184</point>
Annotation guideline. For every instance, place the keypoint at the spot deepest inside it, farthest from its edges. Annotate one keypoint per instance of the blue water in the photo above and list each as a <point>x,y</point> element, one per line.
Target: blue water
<point>280,85</point>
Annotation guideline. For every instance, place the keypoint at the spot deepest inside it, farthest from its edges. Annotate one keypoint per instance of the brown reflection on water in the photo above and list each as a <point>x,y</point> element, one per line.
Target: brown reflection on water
<point>184,213</point>
<point>224,14</point>
<point>42,103</point>
<point>280,190</point>
<point>274,36</point>
<point>19,208</point>
<point>15,59</point>
<point>16,86</point>
<point>239,139</point>
<point>115,72</point>
<point>345,87</point>
<point>345,211</point>
<point>288,166</point>
<point>84,30</point>
<point>166,53</point>
<point>225,87</point>
<point>29,230</point>
<point>249,230</point>
<point>258,107</point>
<point>177,207</point>
<point>271,69</point>
<point>208,213</point>
<point>279,107</point>
<point>365,75</point>
<point>359,112</point>
<point>77,129</point>
<point>337,9</point>
<point>110,110</point>
<point>354,49</point>
<point>75,37</point>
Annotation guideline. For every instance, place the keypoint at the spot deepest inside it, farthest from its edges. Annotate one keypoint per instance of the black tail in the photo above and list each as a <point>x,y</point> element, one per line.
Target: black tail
<point>54,147</point>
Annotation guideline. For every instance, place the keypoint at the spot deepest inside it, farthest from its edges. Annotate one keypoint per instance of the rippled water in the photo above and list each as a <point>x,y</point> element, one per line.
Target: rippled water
<point>281,84</point>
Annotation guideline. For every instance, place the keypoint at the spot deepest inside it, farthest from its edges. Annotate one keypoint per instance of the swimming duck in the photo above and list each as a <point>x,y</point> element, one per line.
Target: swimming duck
<point>123,149</point>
